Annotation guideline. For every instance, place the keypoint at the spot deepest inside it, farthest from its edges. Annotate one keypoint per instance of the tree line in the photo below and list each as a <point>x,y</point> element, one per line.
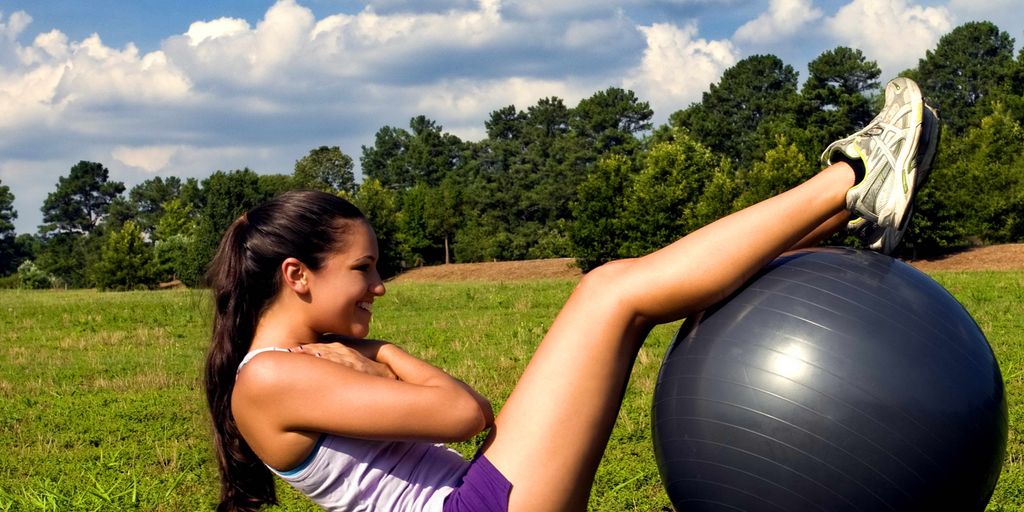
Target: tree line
<point>596,181</point>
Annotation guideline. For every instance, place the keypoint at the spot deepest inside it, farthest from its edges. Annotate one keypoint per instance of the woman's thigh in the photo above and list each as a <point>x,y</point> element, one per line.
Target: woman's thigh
<point>549,436</point>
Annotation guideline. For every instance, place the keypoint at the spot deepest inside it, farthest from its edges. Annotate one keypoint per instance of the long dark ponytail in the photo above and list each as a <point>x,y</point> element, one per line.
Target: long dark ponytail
<point>244,278</point>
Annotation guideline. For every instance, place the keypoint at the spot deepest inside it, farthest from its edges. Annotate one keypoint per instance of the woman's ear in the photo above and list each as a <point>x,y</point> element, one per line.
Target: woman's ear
<point>295,275</point>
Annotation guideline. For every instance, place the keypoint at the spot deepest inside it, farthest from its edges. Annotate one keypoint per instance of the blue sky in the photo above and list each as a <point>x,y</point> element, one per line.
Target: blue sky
<point>156,88</point>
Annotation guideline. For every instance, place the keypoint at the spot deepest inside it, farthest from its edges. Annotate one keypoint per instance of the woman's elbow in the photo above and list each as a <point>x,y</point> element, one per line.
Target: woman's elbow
<point>468,418</point>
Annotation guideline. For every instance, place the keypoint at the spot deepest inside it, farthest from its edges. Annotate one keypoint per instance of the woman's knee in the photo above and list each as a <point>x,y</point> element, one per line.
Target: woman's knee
<point>611,282</point>
<point>612,272</point>
<point>612,294</point>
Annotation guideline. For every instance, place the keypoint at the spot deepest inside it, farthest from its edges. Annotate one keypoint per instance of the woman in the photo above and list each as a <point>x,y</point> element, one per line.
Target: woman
<point>353,425</point>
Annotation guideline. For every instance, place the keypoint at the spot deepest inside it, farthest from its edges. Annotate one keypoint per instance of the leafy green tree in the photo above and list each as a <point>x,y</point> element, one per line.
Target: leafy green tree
<point>971,66</point>
<point>597,231</point>
<point>172,257</point>
<point>545,121</point>
<point>119,211</point>
<point>147,200</point>
<point>627,208</point>
<point>781,169</point>
<point>483,238</point>
<point>175,239</point>
<point>81,199</point>
<point>610,120</point>
<point>977,192</point>
<point>719,196</point>
<point>380,205</point>
<point>417,246</point>
<point>31,277</point>
<point>7,211</point>
<point>9,260</point>
<point>662,203</point>
<point>758,89</point>
<point>67,256</point>
<point>521,180</point>
<point>192,194</point>
<point>444,213</point>
<point>401,159</point>
<point>553,240</point>
<point>429,219</point>
<point>27,246</point>
<point>274,184</point>
<point>127,261</point>
<point>542,178</point>
<point>225,197</point>
<point>506,124</point>
<point>177,220</point>
<point>432,154</point>
<point>384,161</point>
<point>327,169</point>
<point>836,94</point>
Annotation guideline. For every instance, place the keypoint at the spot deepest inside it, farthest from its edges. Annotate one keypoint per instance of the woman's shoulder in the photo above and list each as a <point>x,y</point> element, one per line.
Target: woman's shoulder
<point>271,366</point>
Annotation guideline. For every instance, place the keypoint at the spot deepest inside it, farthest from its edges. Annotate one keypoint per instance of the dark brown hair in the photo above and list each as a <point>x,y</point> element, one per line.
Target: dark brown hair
<point>244,278</point>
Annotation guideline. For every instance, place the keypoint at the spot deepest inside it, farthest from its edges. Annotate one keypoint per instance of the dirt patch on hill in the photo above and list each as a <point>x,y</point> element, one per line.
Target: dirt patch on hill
<point>994,257</point>
<point>559,268</point>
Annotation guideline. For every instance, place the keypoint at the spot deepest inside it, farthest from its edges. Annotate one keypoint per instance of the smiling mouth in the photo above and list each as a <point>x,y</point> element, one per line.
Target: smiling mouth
<point>365,306</point>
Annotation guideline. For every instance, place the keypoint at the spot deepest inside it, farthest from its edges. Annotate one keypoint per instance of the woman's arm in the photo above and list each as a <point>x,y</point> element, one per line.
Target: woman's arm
<point>310,394</point>
<point>339,349</point>
<point>415,371</point>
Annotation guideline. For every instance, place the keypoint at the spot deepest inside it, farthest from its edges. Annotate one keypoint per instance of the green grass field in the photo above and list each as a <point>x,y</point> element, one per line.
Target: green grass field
<point>101,406</point>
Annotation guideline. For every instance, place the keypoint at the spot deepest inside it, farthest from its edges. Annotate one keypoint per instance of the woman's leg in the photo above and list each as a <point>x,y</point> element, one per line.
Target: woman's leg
<point>549,437</point>
<point>825,230</point>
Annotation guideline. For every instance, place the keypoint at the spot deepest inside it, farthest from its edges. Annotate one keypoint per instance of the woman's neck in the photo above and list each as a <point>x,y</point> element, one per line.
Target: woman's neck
<point>279,327</point>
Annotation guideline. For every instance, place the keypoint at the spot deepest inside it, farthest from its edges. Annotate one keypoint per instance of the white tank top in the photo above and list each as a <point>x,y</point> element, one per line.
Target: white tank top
<point>347,474</point>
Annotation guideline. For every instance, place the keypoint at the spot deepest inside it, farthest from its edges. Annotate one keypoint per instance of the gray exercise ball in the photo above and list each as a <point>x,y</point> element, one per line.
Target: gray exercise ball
<point>835,380</point>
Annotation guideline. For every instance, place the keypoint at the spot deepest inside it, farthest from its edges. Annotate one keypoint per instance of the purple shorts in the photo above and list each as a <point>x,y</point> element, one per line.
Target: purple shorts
<point>483,489</point>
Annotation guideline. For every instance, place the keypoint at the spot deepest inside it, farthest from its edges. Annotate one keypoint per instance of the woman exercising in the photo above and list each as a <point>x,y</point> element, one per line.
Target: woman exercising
<point>355,425</point>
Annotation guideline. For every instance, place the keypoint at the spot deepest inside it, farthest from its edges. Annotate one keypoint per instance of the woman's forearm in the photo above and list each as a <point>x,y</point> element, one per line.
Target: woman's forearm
<point>415,371</point>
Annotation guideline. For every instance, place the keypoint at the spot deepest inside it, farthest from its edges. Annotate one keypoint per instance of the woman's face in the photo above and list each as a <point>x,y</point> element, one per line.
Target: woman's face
<point>343,290</point>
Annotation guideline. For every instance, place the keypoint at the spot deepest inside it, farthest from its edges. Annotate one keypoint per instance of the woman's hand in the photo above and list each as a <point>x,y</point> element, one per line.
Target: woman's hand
<point>357,358</point>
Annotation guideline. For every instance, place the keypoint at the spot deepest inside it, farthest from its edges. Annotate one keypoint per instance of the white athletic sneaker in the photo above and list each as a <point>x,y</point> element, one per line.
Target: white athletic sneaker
<point>885,240</point>
<point>888,148</point>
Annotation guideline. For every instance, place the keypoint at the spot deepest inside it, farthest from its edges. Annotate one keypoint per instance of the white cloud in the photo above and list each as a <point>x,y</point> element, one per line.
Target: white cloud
<point>55,78</point>
<point>467,102</point>
<point>290,49</point>
<point>148,158</point>
<point>221,27</point>
<point>229,50</point>
<point>540,9</point>
<point>890,32</point>
<point>783,19</point>
<point>10,29</point>
<point>677,67</point>
<point>15,24</point>
<point>96,73</point>
<point>48,47</point>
